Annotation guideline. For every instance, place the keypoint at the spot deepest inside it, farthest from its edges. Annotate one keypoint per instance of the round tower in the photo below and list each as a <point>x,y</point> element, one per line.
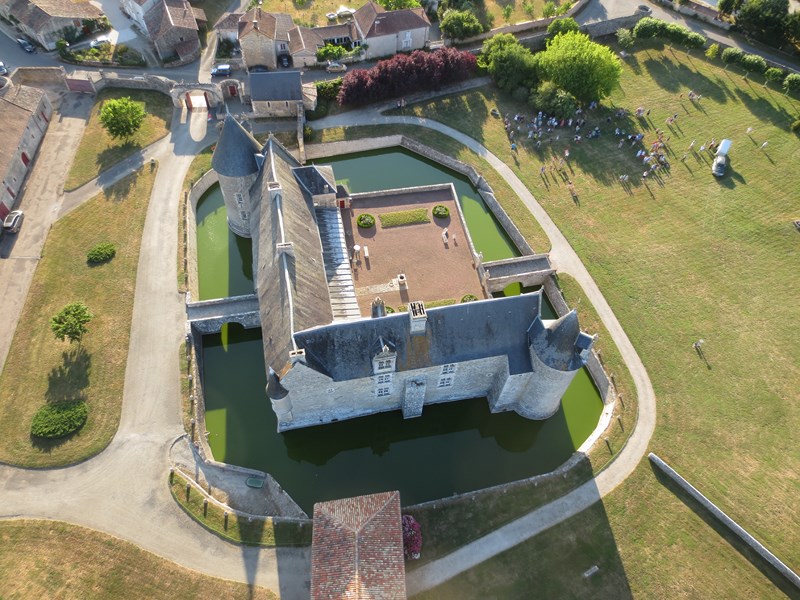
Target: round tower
<point>555,359</point>
<point>236,161</point>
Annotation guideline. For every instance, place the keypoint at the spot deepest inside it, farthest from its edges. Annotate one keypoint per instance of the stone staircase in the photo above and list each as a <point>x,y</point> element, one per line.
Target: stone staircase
<point>337,264</point>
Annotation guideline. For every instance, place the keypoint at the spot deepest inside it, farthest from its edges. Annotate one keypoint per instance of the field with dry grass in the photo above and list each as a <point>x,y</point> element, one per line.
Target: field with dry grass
<point>42,369</point>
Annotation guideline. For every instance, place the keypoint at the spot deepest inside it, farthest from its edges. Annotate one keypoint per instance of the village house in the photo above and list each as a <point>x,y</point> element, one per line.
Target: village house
<point>45,20</point>
<point>281,94</point>
<point>172,25</point>
<point>24,116</point>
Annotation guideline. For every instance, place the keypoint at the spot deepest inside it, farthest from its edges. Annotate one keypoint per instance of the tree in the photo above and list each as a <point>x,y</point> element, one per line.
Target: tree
<point>649,27</point>
<point>552,100</point>
<point>791,83</point>
<point>507,10</point>
<point>399,4</point>
<point>70,322</point>
<point>563,25</point>
<point>731,56</point>
<point>764,19</point>
<point>712,52</point>
<point>792,26</point>
<point>122,117</point>
<point>773,74</point>
<point>728,7</point>
<point>576,64</point>
<point>460,24</point>
<point>330,52</point>
<point>509,63</point>
<point>625,38</point>
<point>753,63</point>
<point>549,9</point>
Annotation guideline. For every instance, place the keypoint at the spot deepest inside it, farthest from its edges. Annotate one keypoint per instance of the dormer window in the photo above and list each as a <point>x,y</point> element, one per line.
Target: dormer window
<point>384,361</point>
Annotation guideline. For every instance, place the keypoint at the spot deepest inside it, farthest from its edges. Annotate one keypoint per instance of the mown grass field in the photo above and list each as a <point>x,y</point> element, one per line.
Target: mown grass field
<point>685,258</point>
<point>48,559</point>
<point>98,151</point>
<point>42,369</point>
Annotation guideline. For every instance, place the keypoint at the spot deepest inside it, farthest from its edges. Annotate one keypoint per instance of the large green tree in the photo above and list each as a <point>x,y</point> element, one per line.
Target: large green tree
<point>576,64</point>
<point>764,19</point>
<point>510,64</point>
<point>122,117</point>
<point>562,25</point>
<point>70,323</point>
<point>460,24</point>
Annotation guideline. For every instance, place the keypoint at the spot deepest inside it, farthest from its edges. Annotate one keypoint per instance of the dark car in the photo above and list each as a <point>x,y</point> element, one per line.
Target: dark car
<point>258,69</point>
<point>719,164</point>
<point>283,60</point>
<point>13,221</point>
<point>221,71</point>
<point>26,45</point>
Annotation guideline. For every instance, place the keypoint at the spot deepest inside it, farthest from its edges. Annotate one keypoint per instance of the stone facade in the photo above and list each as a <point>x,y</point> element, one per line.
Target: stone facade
<point>45,21</point>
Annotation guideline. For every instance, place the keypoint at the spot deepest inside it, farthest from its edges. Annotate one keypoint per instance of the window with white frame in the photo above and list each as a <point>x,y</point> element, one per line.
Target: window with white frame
<point>445,382</point>
<point>448,369</point>
<point>382,391</point>
<point>239,198</point>
<point>385,378</point>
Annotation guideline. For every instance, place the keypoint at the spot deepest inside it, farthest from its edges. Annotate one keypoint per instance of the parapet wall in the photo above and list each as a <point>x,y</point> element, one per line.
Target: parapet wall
<point>34,76</point>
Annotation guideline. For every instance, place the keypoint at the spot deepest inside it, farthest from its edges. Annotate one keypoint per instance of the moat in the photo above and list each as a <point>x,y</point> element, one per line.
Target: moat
<point>462,446</point>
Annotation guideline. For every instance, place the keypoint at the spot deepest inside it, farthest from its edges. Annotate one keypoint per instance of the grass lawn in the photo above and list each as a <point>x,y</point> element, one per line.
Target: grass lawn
<point>42,369</point>
<point>98,151</point>
<point>259,532</point>
<point>689,257</point>
<point>399,218</point>
<point>50,559</point>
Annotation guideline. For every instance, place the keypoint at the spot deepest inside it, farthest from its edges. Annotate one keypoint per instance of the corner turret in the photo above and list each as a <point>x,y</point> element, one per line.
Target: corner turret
<point>237,160</point>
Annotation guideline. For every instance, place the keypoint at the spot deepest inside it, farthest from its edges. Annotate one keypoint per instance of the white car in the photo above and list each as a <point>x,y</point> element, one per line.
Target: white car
<point>99,42</point>
<point>3,69</point>
<point>13,221</point>
<point>334,67</point>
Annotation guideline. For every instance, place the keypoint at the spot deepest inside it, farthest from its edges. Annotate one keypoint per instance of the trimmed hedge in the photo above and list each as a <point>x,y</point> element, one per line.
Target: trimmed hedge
<point>101,253</point>
<point>469,298</point>
<point>440,211</point>
<point>59,419</point>
<point>404,217</point>
<point>365,221</point>
<point>389,310</point>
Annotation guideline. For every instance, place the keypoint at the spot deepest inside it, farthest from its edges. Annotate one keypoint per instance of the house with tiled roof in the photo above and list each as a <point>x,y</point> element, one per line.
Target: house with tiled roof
<point>24,116</point>
<point>387,32</point>
<point>327,362</point>
<point>172,26</point>
<point>357,549</point>
<point>263,37</point>
<point>45,20</point>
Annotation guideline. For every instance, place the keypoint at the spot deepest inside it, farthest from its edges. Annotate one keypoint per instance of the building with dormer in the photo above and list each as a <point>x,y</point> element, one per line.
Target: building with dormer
<point>325,360</point>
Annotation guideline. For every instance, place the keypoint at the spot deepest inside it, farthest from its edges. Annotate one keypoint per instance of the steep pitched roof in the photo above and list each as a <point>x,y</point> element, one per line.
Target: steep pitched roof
<point>275,26</point>
<point>304,38</point>
<point>36,13</point>
<point>168,14</point>
<point>375,21</point>
<point>556,342</point>
<point>17,104</point>
<point>235,153</point>
<point>457,333</point>
<point>295,297</point>
<point>276,86</point>
<point>229,21</point>
<point>357,549</point>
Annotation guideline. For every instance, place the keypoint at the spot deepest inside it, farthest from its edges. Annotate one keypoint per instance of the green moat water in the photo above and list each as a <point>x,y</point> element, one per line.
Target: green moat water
<point>452,448</point>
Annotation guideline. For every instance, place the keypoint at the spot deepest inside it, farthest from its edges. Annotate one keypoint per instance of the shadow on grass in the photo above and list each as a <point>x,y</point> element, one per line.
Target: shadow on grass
<point>746,551</point>
<point>69,380</point>
<point>764,109</point>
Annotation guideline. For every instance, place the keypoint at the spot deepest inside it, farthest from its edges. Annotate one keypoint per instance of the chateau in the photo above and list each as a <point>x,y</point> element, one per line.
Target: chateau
<point>325,360</point>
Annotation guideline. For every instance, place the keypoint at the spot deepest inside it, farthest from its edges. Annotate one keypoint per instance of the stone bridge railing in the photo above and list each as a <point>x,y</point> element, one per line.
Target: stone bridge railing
<point>527,270</point>
<point>208,316</point>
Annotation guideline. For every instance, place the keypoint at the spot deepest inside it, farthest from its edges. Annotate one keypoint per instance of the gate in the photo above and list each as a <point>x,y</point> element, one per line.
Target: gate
<point>80,85</point>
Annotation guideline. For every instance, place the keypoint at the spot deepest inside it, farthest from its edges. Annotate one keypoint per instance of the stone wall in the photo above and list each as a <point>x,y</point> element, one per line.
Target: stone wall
<point>140,82</point>
<point>728,523</point>
<point>609,26</point>
<point>190,230</point>
<point>698,11</point>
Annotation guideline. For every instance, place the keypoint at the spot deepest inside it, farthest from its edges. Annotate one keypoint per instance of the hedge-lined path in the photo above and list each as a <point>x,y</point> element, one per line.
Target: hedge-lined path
<point>567,261</point>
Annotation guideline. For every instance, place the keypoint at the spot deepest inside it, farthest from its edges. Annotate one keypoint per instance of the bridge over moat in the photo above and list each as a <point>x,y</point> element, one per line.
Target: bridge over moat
<point>526,270</point>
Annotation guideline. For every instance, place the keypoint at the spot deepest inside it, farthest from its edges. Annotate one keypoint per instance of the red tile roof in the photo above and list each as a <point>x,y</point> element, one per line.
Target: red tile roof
<point>357,550</point>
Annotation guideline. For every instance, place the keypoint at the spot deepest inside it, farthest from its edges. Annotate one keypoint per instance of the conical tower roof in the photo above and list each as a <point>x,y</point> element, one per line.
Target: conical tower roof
<point>235,154</point>
<point>554,342</point>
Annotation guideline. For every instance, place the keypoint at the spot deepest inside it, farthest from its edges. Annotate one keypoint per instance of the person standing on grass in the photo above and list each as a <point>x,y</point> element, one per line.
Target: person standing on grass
<point>764,145</point>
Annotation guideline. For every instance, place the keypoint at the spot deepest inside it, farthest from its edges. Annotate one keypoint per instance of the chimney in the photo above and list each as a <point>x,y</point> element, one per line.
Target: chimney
<point>378,308</point>
<point>418,318</point>
<point>255,24</point>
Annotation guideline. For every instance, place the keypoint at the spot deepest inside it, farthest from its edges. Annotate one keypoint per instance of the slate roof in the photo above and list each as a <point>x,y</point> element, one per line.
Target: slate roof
<point>17,104</point>
<point>168,14</point>
<point>374,21</point>
<point>556,342</point>
<point>314,179</point>
<point>357,549</point>
<point>303,300</point>
<point>456,333</point>
<point>37,13</point>
<point>235,154</point>
<point>276,86</point>
<point>275,26</point>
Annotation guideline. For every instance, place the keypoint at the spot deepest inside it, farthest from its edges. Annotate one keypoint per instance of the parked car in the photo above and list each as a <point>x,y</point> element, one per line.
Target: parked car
<point>26,45</point>
<point>13,221</point>
<point>283,60</point>
<point>721,159</point>
<point>3,69</point>
<point>99,42</point>
<point>257,69</point>
<point>221,71</point>
<point>334,67</point>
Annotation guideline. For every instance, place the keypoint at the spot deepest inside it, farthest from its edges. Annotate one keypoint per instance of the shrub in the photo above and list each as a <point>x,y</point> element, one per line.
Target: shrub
<point>753,62</point>
<point>549,9</point>
<point>59,419</point>
<point>791,83</point>
<point>712,52</point>
<point>440,211</point>
<point>774,75</point>
<point>649,27</point>
<point>404,217</point>
<point>732,55</point>
<point>331,52</point>
<point>412,537</point>
<point>365,221</point>
<point>562,26</point>
<point>549,98</point>
<point>308,133</point>
<point>469,298</point>
<point>389,310</point>
<point>625,38</point>
<point>328,90</point>
<point>101,253</point>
